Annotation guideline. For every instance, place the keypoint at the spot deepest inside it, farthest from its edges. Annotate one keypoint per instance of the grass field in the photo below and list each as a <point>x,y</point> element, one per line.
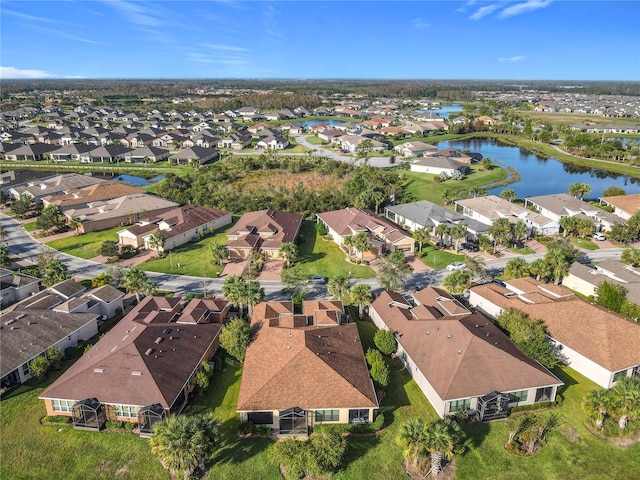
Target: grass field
<point>436,258</point>
<point>584,243</point>
<point>85,245</point>
<point>424,188</point>
<point>31,226</point>
<point>572,118</point>
<point>320,256</point>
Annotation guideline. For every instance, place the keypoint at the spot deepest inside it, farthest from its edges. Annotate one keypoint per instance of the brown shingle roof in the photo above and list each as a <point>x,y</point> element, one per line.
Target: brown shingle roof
<point>276,226</point>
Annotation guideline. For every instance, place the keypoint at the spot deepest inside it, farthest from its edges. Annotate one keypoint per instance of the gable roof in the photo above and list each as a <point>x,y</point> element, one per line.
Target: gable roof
<point>188,217</point>
<point>627,203</point>
<point>351,220</point>
<point>146,358</point>
<point>91,193</point>
<point>306,366</point>
<point>461,356</point>
<point>281,227</point>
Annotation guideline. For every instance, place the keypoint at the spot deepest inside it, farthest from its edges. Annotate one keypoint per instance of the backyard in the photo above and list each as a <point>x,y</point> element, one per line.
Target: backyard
<point>86,245</point>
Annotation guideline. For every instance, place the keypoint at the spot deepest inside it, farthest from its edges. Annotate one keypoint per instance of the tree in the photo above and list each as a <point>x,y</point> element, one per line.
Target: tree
<point>520,231</point>
<point>613,191</point>
<point>579,190</point>
<point>233,289</point>
<point>23,205</point>
<point>49,218</point>
<point>137,282</point>
<point>456,282</point>
<point>156,241</point>
<point>39,367</point>
<point>421,235</point>
<point>253,294</point>
<point>363,149</point>
<point>500,231</point>
<point>296,283</point>
<point>540,269</point>
<point>100,280</point>
<point>442,440</point>
<point>441,231</point>
<point>508,194</point>
<point>361,295</point>
<point>108,249</point>
<point>254,262</point>
<point>516,268</point>
<point>625,400</point>
<point>319,456</point>
<point>458,232</point>
<point>219,252</point>
<point>361,243</point>
<point>448,196</point>
<point>338,286</point>
<point>379,369</point>
<point>385,341</point>
<point>392,271</point>
<point>182,442</point>
<point>596,404</point>
<point>611,296</point>
<point>234,338</point>
<point>5,260</point>
<point>558,264</point>
<point>117,274</point>
<point>477,266</point>
<point>75,223</point>
<point>348,242</point>
<point>54,272</point>
<point>289,252</point>
<point>205,372</point>
<point>631,256</point>
<point>54,356</point>
<point>410,437</point>
<point>486,163</point>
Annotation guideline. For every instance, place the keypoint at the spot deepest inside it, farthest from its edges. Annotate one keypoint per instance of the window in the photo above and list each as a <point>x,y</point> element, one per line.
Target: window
<point>62,405</point>
<point>520,396</point>
<point>359,416</point>
<point>327,415</point>
<point>126,411</point>
<point>460,405</point>
<point>25,369</point>
<point>544,394</point>
<point>619,375</point>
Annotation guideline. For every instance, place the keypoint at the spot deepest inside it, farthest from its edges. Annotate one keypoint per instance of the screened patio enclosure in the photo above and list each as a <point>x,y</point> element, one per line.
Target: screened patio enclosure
<point>148,416</point>
<point>492,406</point>
<point>293,421</point>
<point>88,414</point>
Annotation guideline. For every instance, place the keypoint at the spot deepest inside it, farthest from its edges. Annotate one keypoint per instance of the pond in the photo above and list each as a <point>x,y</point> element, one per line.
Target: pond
<point>444,111</point>
<point>311,123</point>
<point>133,180</point>
<point>540,176</point>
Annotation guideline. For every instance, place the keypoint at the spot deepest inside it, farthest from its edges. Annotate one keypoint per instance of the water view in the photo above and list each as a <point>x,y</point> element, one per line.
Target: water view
<point>311,123</point>
<point>542,176</point>
<point>445,111</point>
<point>133,180</point>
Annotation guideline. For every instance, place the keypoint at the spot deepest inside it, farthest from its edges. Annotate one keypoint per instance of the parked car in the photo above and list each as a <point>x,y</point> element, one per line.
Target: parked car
<point>599,236</point>
<point>452,267</point>
<point>497,281</point>
<point>470,247</point>
<point>317,279</point>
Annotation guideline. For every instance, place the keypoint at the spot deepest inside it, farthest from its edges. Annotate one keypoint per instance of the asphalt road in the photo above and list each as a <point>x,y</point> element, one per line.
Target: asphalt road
<point>22,245</point>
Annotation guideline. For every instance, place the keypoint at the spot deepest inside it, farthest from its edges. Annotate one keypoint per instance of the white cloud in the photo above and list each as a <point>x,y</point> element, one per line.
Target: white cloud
<point>272,24</point>
<point>528,6</point>
<point>13,72</point>
<point>137,13</point>
<point>220,46</point>
<point>419,23</point>
<point>484,11</point>
<point>517,58</point>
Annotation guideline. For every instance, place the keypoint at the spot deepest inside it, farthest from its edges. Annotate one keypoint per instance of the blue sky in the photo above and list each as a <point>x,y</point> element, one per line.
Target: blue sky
<point>500,39</point>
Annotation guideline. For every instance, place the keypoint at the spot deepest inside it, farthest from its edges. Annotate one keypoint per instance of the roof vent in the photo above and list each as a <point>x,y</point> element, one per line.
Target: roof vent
<point>487,334</point>
<point>149,351</point>
<point>449,336</point>
<point>22,315</point>
<point>98,370</point>
<point>13,320</point>
<point>166,331</point>
<point>428,332</point>
<point>158,340</point>
<point>288,347</point>
<point>136,373</point>
<point>459,352</point>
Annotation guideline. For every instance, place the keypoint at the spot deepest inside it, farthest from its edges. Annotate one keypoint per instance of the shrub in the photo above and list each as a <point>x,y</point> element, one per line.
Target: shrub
<point>58,419</point>
<point>537,406</point>
<point>263,430</point>
<point>385,341</point>
<point>130,426</point>
<point>113,424</point>
<point>321,229</point>
<point>38,367</point>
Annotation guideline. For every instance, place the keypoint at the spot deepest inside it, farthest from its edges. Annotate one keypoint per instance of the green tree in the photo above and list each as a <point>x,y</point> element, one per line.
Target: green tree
<point>100,280</point>
<point>254,262</point>
<point>477,266</point>
<point>625,400</point>
<point>117,275</point>
<point>441,231</point>
<point>443,439</point>
<point>321,228</point>
<point>458,232</point>
<point>23,205</point>
<point>136,282</point>
<point>234,338</point>
<point>611,296</point>
<point>558,264</point>
<point>486,163</point>
<point>54,356</point>
<point>156,241</point>
<point>50,218</point>
<point>54,272</point>
<point>520,231</point>
<point>205,372</point>
<point>233,289</point>
<point>348,242</point>
<point>392,271</point>
<point>75,223</point>
<point>596,404</point>
<point>500,232</point>
<point>579,190</point>
<point>219,252</point>
<point>411,438</point>
<point>613,191</point>
<point>631,256</point>
<point>296,283</point>
<point>39,367</point>
<point>516,268</point>
<point>361,243</point>
<point>339,286</point>
<point>456,282</point>
<point>508,194</point>
<point>253,294</point>
<point>421,235</point>
<point>109,249</point>
<point>364,149</point>
<point>385,341</point>
<point>361,295</point>
<point>379,369</point>
<point>540,269</point>
<point>289,252</point>
<point>5,260</point>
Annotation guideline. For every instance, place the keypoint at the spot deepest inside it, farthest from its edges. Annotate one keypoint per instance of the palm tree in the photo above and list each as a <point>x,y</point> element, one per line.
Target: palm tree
<point>253,294</point>
<point>516,268</point>
<point>137,282</point>
<point>361,243</point>
<point>458,232</point>
<point>558,264</point>
<point>234,288</point>
<point>348,242</point>
<point>156,241</point>
<point>508,194</point>
<point>75,223</point>
<point>443,439</point>
<point>421,235</point>
<point>579,190</point>
<point>411,438</point>
<point>448,196</point>
<point>289,252</point>
<point>338,286</point>
<point>540,268</point>
<point>219,252</point>
<point>361,295</point>
<point>520,231</point>
<point>596,404</point>
<point>476,265</point>
<point>626,400</point>
<point>441,231</point>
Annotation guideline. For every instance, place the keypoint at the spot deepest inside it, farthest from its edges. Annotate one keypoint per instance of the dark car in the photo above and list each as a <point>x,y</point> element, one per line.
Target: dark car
<point>470,247</point>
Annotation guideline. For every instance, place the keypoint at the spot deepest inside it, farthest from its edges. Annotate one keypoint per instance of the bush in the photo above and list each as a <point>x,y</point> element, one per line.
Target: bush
<point>263,430</point>
<point>321,229</point>
<point>58,419</point>
<point>130,426</point>
<point>38,367</point>
<point>537,406</point>
<point>385,341</point>
<point>113,424</point>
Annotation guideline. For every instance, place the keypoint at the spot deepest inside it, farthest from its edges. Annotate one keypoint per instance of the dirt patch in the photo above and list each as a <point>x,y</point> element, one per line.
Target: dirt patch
<point>421,472</point>
<point>572,436</point>
<point>122,470</point>
<point>620,442</point>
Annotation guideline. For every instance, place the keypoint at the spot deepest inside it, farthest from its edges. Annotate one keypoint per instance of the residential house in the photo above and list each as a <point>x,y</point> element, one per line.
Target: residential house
<point>110,153</point>
<point>438,165</point>
<point>559,205</point>
<point>30,152</point>
<point>414,149</point>
<point>148,361</point>
<point>586,279</point>
<point>599,344</point>
<point>146,154</point>
<point>194,156</point>
<point>453,154</point>
<point>273,142</point>
<point>460,360</point>
<point>624,206</point>
<point>264,231</point>
<point>52,185</point>
<point>16,286</point>
<point>177,226</point>
<point>86,195</point>
<point>350,143</point>
<point>123,210</point>
<point>304,369</point>
<point>70,153</point>
<point>383,235</point>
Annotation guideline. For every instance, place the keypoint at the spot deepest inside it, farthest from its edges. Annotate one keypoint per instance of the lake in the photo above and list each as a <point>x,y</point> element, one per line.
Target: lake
<point>133,180</point>
<point>311,123</point>
<point>454,109</point>
<point>542,176</point>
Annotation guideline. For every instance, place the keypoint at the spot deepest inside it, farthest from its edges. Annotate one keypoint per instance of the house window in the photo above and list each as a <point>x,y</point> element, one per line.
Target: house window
<point>359,415</point>
<point>327,415</point>
<point>518,397</point>
<point>636,371</point>
<point>544,394</point>
<point>126,411</point>
<point>619,375</point>
<point>460,405</point>
<point>25,369</point>
<point>65,406</point>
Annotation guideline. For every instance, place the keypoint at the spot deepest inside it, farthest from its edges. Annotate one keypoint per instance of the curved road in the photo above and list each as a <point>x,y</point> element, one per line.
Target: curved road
<point>23,245</point>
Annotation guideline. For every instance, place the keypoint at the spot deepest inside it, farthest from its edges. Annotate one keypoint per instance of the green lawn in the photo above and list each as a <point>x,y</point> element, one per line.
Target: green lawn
<point>31,226</point>
<point>194,258</point>
<point>436,258</point>
<point>423,187</point>
<point>584,243</point>
<point>320,256</point>
<point>313,140</point>
<point>87,244</point>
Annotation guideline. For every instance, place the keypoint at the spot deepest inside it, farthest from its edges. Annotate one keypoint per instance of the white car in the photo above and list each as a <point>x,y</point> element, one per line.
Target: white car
<point>452,267</point>
<point>598,236</point>
<point>318,279</point>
